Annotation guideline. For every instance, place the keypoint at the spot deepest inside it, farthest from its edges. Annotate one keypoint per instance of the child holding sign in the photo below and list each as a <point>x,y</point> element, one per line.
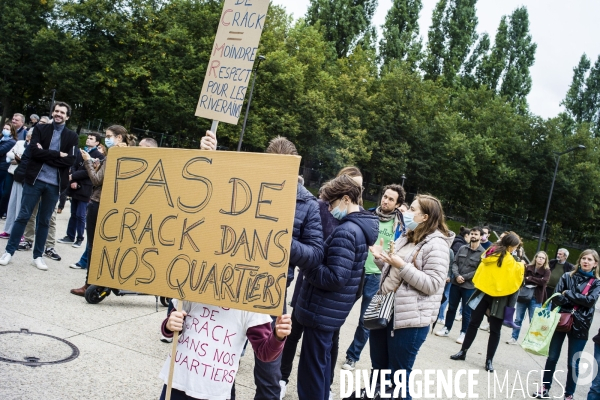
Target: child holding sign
<point>210,344</point>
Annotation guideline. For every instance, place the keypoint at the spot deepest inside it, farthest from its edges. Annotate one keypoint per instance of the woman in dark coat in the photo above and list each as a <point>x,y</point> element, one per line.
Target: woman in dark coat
<point>7,142</point>
<point>329,290</point>
<point>584,278</point>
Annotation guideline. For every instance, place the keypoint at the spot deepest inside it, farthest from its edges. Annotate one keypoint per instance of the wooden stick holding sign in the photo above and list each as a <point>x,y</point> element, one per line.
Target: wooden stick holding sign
<point>180,306</point>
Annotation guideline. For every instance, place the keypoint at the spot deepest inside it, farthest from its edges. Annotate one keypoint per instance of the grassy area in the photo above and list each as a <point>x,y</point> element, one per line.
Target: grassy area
<point>529,245</point>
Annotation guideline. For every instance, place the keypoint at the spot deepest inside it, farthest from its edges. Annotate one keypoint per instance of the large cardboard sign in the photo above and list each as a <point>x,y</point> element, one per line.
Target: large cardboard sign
<point>230,66</point>
<point>206,226</point>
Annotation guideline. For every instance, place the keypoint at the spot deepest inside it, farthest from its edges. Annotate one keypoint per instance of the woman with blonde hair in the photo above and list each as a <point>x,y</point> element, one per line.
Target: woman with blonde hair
<point>415,272</point>
<point>537,275</point>
<point>578,292</point>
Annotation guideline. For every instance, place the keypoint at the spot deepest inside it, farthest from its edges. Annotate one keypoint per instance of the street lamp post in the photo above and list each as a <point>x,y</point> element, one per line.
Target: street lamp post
<point>579,147</point>
<point>52,102</point>
<point>403,178</point>
<point>260,58</point>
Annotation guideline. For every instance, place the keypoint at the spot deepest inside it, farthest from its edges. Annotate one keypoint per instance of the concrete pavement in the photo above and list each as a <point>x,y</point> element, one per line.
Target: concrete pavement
<point>121,355</point>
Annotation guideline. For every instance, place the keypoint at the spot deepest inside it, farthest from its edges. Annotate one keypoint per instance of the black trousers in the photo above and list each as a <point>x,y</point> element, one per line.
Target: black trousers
<point>495,326</point>
<point>91,218</point>
<point>291,345</point>
<point>62,199</point>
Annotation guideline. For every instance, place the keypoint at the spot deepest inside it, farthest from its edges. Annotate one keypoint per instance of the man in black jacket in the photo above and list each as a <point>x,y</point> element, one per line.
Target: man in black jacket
<point>559,266</point>
<point>80,190</point>
<point>53,148</point>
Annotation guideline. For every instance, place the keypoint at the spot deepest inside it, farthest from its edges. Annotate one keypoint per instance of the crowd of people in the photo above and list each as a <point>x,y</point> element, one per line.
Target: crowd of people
<point>341,253</point>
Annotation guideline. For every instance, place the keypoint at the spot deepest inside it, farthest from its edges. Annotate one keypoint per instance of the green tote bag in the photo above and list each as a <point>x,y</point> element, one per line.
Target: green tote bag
<point>541,329</point>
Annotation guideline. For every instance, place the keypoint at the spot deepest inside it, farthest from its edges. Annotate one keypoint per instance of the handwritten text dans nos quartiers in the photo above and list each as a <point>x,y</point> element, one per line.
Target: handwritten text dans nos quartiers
<point>142,238</point>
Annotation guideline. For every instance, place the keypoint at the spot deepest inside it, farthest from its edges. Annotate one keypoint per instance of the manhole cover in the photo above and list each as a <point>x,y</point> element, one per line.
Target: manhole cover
<point>35,349</point>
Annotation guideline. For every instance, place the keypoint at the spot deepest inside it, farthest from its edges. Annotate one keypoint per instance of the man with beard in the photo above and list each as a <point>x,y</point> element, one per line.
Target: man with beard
<point>391,226</point>
<point>485,236</point>
<point>52,152</point>
<point>465,264</point>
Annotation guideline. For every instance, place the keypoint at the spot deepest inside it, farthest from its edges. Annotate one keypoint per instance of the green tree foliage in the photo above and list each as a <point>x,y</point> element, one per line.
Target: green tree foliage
<point>582,101</point>
<point>401,39</point>
<point>22,66</point>
<point>343,22</point>
<point>141,63</point>
<point>505,69</point>
<point>451,35</point>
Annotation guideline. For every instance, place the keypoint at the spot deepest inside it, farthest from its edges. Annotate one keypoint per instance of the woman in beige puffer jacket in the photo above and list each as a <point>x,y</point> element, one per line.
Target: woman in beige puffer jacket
<point>416,272</point>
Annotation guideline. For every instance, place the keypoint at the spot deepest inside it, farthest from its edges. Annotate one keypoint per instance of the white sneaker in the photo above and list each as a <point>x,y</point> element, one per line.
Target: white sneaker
<point>165,339</point>
<point>283,386</point>
<point>5,259</point>
<point>485,327</point>
<point>461,338</point>
<point>458,317</point>
<point>330,395</point>
<point>40,263</point>
<point>441,321</point>
<point>511,341</point>
<point>442,332</point>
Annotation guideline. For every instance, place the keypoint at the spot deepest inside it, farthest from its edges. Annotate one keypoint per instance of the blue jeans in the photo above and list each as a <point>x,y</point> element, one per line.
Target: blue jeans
<point>83,261</point>
<point>594,393</point>
<point>397,352</point>
<point>520,315</point>
<point>314,367</point>
<point>76,225</point>
<point>48,194</point>
<point>575,346</point>
<point>361,335</point>
<point>443,306</point>
<point>457,294</point>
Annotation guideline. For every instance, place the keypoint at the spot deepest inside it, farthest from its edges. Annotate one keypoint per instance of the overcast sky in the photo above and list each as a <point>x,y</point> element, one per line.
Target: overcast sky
<point>563,31</point>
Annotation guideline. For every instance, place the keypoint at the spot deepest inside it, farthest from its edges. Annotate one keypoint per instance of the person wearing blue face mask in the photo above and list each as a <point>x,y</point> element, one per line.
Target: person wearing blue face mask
<point>8,141</point>
<point>330,289</point>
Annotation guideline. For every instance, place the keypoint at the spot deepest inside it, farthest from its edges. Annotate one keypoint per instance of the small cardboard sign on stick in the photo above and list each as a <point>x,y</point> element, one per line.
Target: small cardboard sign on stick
<point>230,66</point>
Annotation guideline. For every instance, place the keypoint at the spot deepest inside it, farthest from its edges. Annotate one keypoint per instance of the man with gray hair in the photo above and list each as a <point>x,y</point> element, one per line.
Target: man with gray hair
<point>18,120</point>
<point>34,118</point>
<point>559,266</point>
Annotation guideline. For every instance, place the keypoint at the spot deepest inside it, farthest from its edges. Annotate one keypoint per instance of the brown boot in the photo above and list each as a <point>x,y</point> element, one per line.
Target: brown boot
<point>80,291</point>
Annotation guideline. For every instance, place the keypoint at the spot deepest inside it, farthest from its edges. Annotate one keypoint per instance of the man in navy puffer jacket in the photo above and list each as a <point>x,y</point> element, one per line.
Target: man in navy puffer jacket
<point>330,289</point>
<point>306,252</point>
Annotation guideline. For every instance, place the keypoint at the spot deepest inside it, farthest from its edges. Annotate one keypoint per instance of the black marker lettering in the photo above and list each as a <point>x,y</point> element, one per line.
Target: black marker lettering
<point>263,186</point>
<point>119,175</point>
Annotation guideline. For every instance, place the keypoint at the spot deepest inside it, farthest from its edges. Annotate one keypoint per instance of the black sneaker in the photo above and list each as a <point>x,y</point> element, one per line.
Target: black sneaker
<point>25,245</point>
<point>66,240</point>
<point>77,243</point>
<point>51,253</point>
